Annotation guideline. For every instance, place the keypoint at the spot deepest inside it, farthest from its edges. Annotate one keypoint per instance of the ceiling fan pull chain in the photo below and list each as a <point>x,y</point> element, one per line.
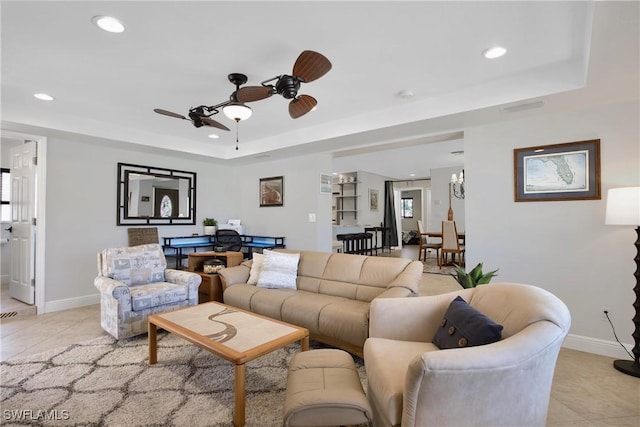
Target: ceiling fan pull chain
<point>237,127</point>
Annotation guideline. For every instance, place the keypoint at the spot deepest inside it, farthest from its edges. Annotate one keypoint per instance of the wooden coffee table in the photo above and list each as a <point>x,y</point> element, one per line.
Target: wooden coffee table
<point>236,335</point>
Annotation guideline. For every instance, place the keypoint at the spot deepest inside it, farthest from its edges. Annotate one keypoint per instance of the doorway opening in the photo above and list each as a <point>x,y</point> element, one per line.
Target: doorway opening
<point>32,259</point>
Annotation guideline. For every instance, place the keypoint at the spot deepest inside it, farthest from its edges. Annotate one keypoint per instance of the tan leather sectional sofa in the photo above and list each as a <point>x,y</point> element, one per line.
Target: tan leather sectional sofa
<point>333,294</point>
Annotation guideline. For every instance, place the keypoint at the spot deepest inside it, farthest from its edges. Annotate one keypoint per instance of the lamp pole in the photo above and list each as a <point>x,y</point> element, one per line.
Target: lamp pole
<point>623,208</point>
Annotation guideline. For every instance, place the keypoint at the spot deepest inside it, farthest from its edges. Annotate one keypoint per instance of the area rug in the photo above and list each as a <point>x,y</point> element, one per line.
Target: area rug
<point>104,382</point>
<point>431,266</point>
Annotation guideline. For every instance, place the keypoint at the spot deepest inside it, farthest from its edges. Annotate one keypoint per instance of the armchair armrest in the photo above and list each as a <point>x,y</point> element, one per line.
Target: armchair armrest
<point>502,368</point>
<point>181,277</point>
<point>409,319</point>
<point>114,289</point>
<point>233,275</point>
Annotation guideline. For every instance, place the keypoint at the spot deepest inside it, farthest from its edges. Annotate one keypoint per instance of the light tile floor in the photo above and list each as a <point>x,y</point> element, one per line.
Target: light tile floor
<point>587,391</point>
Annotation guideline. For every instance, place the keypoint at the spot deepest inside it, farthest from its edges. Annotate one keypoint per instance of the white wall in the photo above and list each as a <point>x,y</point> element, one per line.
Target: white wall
<point>301,197</point>
<point>81,208</point>
<point>562,246</point>
<point>370,181</point>
<point>440,179</point>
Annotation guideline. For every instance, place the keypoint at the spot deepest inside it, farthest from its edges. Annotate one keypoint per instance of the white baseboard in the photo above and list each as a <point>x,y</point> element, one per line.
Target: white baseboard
<point>66,304</point>
<point>597,346</point>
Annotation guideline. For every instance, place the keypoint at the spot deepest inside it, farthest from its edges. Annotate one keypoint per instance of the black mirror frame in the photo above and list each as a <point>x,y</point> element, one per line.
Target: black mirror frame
<point>124,169</point>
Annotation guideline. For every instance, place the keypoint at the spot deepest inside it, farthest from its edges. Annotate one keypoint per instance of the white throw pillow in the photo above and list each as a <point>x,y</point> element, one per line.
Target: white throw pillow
<point>279,270</point>
<point>256,269</point>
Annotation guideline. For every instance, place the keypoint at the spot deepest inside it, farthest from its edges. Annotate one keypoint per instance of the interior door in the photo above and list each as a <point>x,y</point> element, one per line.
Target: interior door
<point>23,184</point>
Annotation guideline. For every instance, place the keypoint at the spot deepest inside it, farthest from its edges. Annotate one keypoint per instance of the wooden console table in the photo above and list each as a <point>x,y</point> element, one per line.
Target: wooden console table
<point>211,288</point>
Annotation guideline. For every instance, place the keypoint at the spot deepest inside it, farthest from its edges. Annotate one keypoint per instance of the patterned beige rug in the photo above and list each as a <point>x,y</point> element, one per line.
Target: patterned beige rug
<point>431,266</point>
<point>104,382</point>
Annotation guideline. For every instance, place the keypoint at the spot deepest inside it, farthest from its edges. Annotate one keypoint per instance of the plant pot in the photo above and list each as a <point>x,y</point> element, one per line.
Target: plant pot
<point>210,230</point>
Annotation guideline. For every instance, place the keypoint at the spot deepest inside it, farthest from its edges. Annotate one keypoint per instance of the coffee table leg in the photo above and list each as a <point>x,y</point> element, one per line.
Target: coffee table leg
<point>238,411</point>
<point>304,343</point>
<point>153,349</point>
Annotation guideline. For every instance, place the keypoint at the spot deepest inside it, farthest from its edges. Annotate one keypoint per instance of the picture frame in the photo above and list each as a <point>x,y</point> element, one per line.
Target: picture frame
<point>325,184</point>
<point>558,172</point>
<point>373,199</point>
<point>272,191</point>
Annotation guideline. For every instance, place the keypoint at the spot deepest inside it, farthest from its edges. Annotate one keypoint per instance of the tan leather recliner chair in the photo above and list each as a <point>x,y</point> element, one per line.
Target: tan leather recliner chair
<point>508,383</point>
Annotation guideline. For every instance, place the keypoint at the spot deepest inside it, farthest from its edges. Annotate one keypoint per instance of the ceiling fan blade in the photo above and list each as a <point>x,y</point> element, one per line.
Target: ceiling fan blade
<point>253,93</point>
<point>210,122</point>
<point>301,106</point>
<point>310,66</point>
<point>169,113</point>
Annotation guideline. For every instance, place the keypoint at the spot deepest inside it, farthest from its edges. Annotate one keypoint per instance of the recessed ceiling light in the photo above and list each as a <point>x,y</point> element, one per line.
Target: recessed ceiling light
<point>213,136</point>
<point>494,52</point>
<point>412,174</point>
<point>405,93</point>
<point>43,96</point>
<point>108,23</point>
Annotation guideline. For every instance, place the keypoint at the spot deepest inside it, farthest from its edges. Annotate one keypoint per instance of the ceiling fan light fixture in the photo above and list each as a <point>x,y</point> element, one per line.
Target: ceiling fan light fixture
<point>494,52</point>
<point>108,23</point>
<point>237,111</point>
<point>43,96</point>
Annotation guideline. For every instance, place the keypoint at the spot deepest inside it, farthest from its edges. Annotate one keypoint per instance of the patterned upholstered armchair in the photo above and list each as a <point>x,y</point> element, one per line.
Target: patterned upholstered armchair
<point>134,282</point>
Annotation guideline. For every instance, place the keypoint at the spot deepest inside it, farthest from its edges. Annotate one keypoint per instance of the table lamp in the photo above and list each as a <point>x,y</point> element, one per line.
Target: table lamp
<point>623,208</point>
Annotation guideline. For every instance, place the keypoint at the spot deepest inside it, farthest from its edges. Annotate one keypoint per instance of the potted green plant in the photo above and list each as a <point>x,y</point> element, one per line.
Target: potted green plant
<point>473,278</point>
<point>209,226</point>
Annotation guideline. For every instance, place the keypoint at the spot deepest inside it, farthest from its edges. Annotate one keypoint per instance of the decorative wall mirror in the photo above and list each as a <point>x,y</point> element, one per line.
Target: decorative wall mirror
<point>155,196</point>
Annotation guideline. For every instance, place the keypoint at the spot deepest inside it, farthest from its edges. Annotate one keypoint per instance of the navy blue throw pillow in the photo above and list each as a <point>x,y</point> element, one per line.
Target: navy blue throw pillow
<point>464,326</point>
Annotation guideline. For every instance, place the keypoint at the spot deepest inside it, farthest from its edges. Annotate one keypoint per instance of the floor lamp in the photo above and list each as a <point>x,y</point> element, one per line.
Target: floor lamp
<point>623,208</point>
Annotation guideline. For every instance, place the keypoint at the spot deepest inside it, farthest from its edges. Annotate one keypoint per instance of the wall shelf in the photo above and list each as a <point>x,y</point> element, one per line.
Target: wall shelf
<point>345,198</point>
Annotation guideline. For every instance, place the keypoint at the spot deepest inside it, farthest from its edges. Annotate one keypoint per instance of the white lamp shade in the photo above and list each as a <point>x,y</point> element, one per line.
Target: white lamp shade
<point>237,111</point>
<point>623,206</point>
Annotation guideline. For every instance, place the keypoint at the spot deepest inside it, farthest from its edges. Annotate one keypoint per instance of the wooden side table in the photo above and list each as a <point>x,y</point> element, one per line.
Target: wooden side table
<point>211,288</point>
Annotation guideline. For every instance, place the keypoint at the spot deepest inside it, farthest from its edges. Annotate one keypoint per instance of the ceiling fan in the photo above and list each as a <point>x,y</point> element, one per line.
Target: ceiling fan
<point>308,67</point>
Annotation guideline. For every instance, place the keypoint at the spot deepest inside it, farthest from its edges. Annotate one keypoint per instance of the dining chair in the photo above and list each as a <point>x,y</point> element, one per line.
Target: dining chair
<point>426,245</point>
<point>450,243</point>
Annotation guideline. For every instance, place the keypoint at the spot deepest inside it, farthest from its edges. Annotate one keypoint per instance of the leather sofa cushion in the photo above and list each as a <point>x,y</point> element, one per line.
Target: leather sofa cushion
<point>346,319</point>
<point>304,308</point>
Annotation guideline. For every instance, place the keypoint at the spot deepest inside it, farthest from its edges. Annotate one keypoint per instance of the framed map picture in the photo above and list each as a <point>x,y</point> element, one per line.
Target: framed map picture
<point>568,171</point>
<point>272,191</point>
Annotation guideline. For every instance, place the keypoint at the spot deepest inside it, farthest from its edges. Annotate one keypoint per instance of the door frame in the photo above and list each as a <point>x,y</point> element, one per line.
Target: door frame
<point>40,210</point>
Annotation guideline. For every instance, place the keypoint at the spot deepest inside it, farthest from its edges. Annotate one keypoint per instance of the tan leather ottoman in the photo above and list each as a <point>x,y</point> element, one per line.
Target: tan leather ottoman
<point>324,389</point>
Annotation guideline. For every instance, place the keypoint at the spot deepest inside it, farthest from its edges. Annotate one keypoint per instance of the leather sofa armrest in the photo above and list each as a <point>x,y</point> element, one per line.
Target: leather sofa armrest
<point>409,278</point>
<point>233,275</point>
<point>396,292</point>
<point>115,289</point>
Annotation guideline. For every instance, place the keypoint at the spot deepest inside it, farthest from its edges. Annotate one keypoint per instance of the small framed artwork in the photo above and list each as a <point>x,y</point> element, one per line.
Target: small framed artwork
<point>373,200</point>
<point>325,184</point>
<point>272,191</point>
<point>568,171</point>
